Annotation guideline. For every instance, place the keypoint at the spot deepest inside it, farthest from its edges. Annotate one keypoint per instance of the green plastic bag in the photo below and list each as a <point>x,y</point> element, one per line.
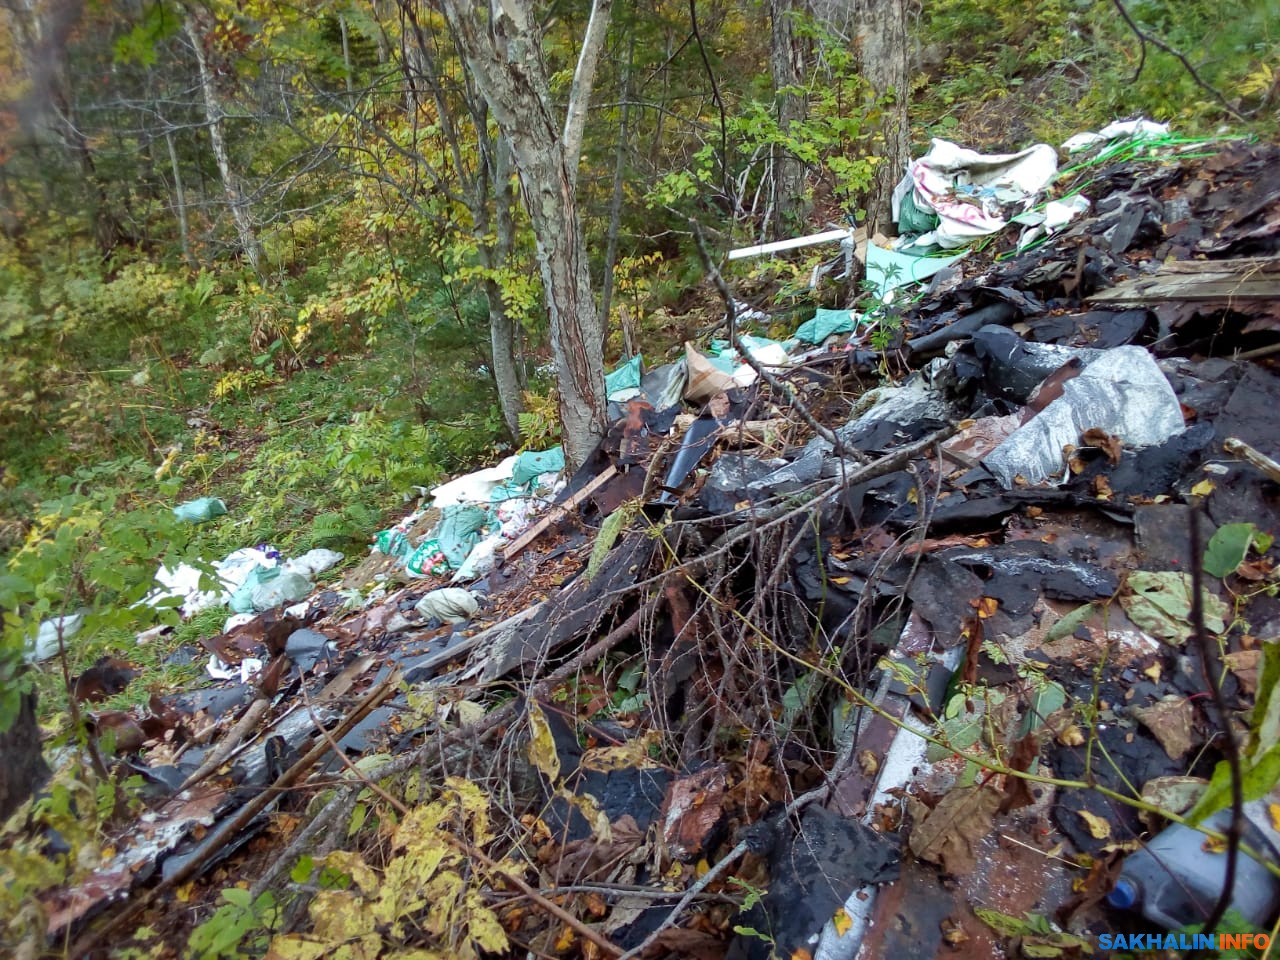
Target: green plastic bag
<point>242,599</point>
<point>824,324</point>
<point>392,542</point>
<point>201,510</point>
<point>459,531</point>
<point>912,219</point>
<point>625,377</point>
<point>531,464</point>
<point>428,559</point>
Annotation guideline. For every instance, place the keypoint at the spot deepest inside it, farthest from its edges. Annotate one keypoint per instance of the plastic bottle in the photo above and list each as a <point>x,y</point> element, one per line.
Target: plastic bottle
<point>1176,879</point>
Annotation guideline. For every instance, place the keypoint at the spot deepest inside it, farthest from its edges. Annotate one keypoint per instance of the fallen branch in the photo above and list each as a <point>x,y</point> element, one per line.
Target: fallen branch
<point>557,513</point>
<point>228,829</point>
<point>1144,38</point>
<point>227,745</point>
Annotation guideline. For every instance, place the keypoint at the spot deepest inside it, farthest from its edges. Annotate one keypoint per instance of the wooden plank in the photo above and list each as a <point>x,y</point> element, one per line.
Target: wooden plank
<point>1246,278</point>
<point>1202,288</point>
<point>557,513</point>
<point>1240,266</point>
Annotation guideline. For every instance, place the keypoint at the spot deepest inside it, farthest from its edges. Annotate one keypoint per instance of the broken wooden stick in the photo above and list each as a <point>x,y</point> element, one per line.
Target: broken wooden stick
<point>227,745</point>
<point>557,513</point>
<point>1239,448</point>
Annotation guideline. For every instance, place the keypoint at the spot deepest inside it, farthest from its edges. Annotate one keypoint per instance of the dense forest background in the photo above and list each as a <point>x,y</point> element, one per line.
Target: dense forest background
<point>266,251</point>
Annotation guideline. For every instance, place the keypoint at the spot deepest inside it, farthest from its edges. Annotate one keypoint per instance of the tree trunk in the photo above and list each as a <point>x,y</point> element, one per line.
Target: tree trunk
<point>23,770</point>
<point>180,201</point>
<point>508,375</point>
<point>504,57</point>
<point>883,54</point>
<point>615,207</point>
<point>490,199</point>
<point>786,62</point>
<point>217,137</point>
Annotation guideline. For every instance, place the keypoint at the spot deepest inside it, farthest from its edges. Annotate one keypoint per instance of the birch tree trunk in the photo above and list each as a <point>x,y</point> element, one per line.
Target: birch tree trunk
<point>503,52</point>
<point>490,198</point>
<point>214,115</point>
<point>786,62</point>
<point>180,200</point>
<point>883,52</point>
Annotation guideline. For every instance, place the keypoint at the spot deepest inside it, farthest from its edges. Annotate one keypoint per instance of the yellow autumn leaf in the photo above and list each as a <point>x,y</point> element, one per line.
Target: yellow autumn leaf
<point>842,922</point>
<point>542,746</point>
<point>1099,829</point>
<point>1274,810</point>
<point>482,924</point>
<point>1214,845</point>
<point>632,753</point>
<point>565,940</point>
<point>352,865</point>
<point>840,580</point>
<point>338,915</point>
<point>1202,489</point>
<point>294,946</point>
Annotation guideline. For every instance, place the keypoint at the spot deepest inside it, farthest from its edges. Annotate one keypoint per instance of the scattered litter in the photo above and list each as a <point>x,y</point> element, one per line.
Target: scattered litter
<point>624,382</point>
<point>1140,129</point>
<point>1122,392</point>
<point>968,192</point>
<point>45,643</point>
<point>448,605</point>
<point>201,510</point>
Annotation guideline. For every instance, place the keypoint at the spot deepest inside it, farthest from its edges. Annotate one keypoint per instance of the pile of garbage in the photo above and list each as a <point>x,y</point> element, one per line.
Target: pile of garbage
<point>804,666</point>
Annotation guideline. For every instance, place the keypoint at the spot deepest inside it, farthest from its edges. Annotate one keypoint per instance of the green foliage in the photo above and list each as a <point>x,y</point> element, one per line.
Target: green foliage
<point>425,885</point>
<point>1229,546</point>
<point>539,422</point>
<point>223,934</point>
<point>833,140</point>
<point>1260,756</point>
<point>1084,55</point>
<point>92,551</point>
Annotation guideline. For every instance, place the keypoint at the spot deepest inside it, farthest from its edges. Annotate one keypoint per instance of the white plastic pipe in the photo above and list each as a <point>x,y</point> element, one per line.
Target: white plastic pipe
<point>778,245</point>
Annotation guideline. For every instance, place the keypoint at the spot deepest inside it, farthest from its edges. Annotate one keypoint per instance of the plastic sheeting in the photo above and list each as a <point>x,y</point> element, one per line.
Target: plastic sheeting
<point>532,464</point>
<point>1055,215</point>
<point>624,382</point>
<point>664,386</point>
<point>1122,392</point>
<point>826,323</point>
<point>473,487</point>
<point>1132,129</point>
<point>888,269</point>
<point>968,190</point>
